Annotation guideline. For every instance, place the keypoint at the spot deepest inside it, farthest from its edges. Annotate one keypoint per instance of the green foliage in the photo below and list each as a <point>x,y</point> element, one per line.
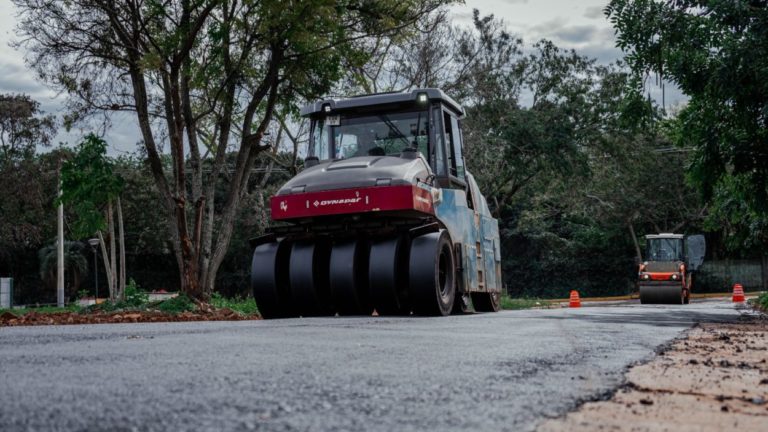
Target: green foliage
<point>761,302</point>
<point>717,53</point>
<point>743,228</point>
<point>22,128</point>
<point>27,181</point>
<point>134,297</point>
<point>177,305</point>
<point>244,306</point>
<point>88,182</point>
<point>509,303</point>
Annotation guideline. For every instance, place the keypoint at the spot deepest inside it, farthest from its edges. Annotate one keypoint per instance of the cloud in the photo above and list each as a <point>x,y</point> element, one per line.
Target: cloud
<point>604,54</point>
<point>546,28</point>
<point>594,12</point>
<point>16,78</point>
<point>579,34</point>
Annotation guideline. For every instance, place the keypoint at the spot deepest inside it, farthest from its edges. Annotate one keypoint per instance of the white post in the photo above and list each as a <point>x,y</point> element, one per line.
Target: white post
<point>60,266</point>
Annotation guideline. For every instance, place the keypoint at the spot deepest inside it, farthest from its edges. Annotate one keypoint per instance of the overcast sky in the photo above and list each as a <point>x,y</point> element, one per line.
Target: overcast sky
<point>577,24</point>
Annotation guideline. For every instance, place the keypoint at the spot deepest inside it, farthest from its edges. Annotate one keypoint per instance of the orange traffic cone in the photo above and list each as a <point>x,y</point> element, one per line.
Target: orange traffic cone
<point>738,293</point>
<point>575,300</point>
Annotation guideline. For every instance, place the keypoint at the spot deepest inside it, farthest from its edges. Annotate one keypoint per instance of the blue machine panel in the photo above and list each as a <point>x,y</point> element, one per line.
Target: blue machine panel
<point>478,234</point>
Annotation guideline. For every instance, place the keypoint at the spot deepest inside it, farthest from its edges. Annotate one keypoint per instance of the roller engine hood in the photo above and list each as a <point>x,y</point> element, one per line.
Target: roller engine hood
<point>358,172</point>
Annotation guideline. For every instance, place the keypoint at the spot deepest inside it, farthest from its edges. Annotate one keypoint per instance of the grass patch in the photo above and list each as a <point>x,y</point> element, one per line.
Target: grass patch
<point>42,309</point>
<point>243,306</point>
<point>509,303</point>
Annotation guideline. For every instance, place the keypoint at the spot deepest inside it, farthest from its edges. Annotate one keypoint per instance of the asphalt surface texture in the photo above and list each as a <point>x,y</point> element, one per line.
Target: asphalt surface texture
<point>497,371</point>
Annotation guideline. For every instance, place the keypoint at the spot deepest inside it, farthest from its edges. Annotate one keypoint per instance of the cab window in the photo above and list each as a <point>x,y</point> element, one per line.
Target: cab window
<point>439,161</point>
<point>453,139</point>
<point>321,146</point>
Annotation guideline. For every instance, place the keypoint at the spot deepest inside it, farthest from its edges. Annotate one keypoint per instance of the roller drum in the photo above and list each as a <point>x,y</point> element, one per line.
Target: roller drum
<point>661,294</point>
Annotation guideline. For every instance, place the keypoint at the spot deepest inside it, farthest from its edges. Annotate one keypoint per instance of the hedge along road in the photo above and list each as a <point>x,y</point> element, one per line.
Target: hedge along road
<point>504,371</point>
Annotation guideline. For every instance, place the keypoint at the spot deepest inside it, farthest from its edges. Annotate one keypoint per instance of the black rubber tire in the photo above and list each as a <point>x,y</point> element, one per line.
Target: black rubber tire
<point>432,274</point>
<point>486,302</point>
<point>269,280</point>
<point>309,280</point>
<point>388,276</point>
<point>349,277</point>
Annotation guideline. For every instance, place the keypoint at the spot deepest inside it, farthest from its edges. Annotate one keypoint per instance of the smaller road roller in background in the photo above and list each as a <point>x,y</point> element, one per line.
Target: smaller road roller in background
<point>667,275</point>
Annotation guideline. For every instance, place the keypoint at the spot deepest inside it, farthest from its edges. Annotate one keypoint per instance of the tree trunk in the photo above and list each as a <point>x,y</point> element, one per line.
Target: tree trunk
<point>121,233</point>
<point>639,255</point>
<point>112,252</point>
<point>105,259</point>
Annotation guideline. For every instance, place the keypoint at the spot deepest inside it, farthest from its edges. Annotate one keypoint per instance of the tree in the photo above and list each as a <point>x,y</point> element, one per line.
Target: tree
<point>717,53</point>
<point>23,196</point>
<point>75,265</point>
<point>22,128</point>
<point>92,189</point>
<point>195,68</point>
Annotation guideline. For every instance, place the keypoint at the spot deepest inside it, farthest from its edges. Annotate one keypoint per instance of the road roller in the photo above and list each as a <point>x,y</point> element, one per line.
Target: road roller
<point>667,275</point>
<point>383,217</point>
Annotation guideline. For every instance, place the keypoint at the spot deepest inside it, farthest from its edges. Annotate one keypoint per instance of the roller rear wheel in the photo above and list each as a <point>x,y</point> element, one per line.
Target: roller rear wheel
<point>309,279</point>
<point>486,302</point>
<point>432,274</point>
<point>349,278</point>
<point>269,280</point>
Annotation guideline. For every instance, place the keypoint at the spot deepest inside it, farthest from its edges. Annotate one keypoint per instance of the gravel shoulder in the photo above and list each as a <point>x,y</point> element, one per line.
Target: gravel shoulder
<point>715,378</point>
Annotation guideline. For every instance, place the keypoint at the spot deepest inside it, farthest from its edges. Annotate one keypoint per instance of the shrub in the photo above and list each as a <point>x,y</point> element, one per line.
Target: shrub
<point>245,306</point>
<point>761,302</point>
<point>134,297</point>
<point>176,305</point>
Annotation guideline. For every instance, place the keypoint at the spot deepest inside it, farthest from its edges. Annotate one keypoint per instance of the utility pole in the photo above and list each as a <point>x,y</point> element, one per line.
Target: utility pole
<point>60,266</point>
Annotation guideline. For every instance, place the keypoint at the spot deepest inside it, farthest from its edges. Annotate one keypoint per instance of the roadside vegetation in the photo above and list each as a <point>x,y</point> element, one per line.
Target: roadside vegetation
<point>137,306</point>
<point>509,303</point>
<point>760,302</point>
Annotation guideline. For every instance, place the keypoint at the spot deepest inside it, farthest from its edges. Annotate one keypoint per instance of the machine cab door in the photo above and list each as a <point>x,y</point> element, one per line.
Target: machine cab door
<point>696,248</point>
<point>449,159</point>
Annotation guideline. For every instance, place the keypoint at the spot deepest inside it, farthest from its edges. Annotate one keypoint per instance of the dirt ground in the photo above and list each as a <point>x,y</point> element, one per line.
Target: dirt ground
<point>64,318</point>
<point>714,379</point>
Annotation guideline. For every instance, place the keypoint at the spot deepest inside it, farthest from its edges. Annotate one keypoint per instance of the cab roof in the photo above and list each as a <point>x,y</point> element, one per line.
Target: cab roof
<point>665,236</point>
<point>371,100</point>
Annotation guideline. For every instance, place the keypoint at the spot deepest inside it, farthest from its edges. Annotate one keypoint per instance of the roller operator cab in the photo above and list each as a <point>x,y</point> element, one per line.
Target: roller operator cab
<point>384,216</point>
<point>667,275</point>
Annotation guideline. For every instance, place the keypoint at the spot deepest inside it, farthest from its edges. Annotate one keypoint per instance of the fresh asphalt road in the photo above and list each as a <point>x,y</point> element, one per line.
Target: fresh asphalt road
<point>503,371</point>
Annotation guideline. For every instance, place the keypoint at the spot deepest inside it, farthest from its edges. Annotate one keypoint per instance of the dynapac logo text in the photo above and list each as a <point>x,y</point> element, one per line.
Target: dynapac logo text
<point>337,202</point>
